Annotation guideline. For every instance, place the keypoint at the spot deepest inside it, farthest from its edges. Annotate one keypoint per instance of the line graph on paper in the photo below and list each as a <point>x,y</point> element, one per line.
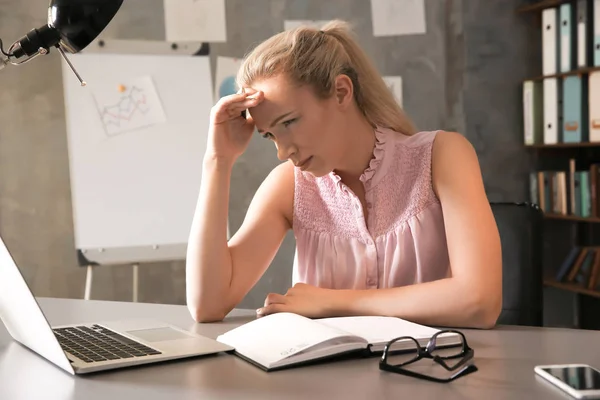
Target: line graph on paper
<point>128,106</point>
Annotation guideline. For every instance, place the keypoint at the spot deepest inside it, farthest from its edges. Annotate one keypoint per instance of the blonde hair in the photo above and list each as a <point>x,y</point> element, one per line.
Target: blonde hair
<point>313,57</point>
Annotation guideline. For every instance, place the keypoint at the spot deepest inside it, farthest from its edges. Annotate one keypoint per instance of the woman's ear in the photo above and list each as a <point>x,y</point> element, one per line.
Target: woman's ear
<point>344,90</point>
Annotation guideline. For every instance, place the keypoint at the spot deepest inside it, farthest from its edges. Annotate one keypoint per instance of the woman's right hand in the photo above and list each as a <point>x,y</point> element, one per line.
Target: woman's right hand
<point>229,132</point>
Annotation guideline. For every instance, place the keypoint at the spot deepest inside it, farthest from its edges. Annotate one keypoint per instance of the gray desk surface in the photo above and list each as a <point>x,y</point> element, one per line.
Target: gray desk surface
<point>505,357</point>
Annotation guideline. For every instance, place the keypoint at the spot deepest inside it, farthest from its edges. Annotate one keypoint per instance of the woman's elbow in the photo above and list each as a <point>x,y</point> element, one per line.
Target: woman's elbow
<point>486,310</point>
<point>203,314</point>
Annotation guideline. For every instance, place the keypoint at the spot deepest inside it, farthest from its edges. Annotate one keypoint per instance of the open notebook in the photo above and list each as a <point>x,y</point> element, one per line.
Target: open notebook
<point>285,339</point>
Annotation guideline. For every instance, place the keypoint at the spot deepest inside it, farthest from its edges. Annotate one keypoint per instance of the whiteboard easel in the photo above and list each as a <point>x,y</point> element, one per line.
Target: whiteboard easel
<point>134,193</point>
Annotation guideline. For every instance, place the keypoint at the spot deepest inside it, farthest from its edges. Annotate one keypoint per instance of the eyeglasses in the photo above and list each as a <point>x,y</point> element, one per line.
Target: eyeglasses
<point>405,350</point>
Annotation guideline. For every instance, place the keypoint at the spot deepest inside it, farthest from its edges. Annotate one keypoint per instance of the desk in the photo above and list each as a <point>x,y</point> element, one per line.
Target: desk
<point>505,357</point>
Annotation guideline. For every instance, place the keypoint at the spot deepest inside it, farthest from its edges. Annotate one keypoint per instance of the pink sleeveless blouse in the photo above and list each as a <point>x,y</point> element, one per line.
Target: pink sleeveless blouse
<point>403,240</point>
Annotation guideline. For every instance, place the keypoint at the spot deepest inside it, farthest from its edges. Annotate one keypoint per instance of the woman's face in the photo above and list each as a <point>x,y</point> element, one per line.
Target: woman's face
<point>306,130</point>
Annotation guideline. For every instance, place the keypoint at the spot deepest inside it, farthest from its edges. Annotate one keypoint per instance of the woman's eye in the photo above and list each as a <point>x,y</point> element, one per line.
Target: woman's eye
<point>289,122</point>
<point>269,135</point>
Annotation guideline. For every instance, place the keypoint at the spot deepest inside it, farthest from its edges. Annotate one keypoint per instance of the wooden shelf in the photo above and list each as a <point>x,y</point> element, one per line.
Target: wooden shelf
<point>542,5</point>
<point>572,287</point>
<point>563,145</point>
<point>578,71</point>
<point>572,218</point>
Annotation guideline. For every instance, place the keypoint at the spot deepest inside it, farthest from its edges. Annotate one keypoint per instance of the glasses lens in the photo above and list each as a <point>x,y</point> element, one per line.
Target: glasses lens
<point>402,351</point>
<point>451,355</point>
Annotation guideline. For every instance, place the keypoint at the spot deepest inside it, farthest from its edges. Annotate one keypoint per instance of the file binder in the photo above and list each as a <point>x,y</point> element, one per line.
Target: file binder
<point>575,118</point>
<point>567,38</point>
<point>534,196</point>
<point>550,42</point>
<point>596,13</point>
<point>585,33</point>
<point>545,190</point>
<point>594,105</point>
<point>551,111</point>
<point>584,193</point>
<point>532,112</point>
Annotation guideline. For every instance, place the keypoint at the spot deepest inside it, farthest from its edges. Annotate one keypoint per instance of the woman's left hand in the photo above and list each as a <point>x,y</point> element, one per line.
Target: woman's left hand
<point>309,301</point>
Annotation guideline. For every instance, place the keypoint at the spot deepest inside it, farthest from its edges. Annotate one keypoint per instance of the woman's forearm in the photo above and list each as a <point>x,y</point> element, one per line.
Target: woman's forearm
<point>208,262</point>
<point>445,302</point>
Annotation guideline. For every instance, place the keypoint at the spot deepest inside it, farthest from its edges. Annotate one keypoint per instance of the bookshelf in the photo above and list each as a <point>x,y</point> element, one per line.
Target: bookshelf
<point>571,287</point>
<point>573,72</point>
<point>541,5</point>
<point>572,218</point>
<point>565,145</point>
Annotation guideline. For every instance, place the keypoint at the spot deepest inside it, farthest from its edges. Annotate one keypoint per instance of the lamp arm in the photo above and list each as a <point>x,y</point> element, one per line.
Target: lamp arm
<point>17,50</point>
<point>4,53</point>
<point>4,56</point>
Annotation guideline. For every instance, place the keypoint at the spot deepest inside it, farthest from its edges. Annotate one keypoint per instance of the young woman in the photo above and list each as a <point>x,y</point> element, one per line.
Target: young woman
<point>387,221</point>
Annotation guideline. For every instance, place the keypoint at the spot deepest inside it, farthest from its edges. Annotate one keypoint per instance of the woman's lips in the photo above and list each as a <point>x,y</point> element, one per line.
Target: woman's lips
<point>304,164</point>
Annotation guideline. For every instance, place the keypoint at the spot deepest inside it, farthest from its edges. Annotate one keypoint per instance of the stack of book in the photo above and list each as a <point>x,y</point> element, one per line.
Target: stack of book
<point>581,267</point>
<point>573,192</point>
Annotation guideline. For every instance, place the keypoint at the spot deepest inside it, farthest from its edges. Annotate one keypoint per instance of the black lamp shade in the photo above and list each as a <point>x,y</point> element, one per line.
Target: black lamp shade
<point>72,23</point>
<point>79,22</point>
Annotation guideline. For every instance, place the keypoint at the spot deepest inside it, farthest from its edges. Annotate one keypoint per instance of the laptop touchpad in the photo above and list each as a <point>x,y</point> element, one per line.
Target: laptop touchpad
<point>159,334</point>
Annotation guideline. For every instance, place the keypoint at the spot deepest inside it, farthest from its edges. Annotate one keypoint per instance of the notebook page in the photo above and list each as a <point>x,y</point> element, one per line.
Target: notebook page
<point>379,329</point>
<point>269,339</point>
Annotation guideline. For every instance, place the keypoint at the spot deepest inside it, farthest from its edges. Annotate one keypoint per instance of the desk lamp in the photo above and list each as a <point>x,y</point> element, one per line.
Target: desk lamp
<point>72,25</point>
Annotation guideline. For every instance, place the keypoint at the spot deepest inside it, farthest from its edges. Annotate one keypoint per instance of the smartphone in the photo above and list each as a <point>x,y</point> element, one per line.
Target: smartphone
<point>579,380</point>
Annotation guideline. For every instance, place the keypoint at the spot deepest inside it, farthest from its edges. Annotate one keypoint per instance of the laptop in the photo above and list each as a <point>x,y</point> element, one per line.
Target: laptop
<point>85,348</point>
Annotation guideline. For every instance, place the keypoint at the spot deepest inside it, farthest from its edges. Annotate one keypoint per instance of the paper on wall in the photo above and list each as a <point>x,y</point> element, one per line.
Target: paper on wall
<point>227,68</point>
<point>129,105</point>
<point>398,17</point>
<point>195,20</point>
<point>394,83</point>
<point>293,24</point>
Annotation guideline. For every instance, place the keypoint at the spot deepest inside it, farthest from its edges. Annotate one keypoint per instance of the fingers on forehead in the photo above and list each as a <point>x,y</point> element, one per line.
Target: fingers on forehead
<point>248,90</point>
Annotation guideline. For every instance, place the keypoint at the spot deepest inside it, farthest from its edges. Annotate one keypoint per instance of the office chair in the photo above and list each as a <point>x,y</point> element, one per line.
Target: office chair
<point>520,228</point>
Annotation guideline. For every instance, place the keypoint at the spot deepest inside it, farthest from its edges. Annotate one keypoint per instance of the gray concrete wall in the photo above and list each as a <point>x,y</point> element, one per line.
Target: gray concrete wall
<point>502,49</point>
<point>463,75</point>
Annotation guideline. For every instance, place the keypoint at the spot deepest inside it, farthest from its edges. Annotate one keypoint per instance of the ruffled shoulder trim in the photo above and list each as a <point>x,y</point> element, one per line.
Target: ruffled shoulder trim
<point>378,153</point>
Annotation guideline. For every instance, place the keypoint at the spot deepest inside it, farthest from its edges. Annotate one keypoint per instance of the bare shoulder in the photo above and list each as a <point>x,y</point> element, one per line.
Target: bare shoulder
<point>285,170</point>
<point>454,158</point>
<point>446,143</point>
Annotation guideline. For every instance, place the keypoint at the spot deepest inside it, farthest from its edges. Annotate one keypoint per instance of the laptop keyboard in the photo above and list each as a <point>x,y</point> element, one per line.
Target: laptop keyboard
<point>96,343</point>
